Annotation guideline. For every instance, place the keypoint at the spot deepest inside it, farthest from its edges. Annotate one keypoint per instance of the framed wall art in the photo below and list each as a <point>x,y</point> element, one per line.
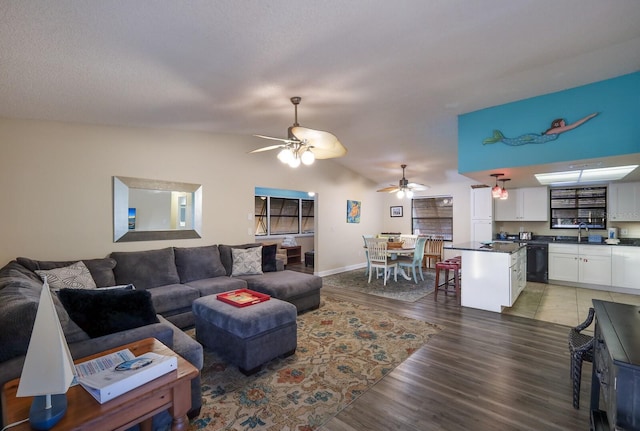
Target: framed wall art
<point>353,211</point>
<point>396,211</point>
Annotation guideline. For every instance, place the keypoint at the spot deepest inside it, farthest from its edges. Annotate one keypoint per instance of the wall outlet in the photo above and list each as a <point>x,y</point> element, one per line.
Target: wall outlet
<point>624,231</point>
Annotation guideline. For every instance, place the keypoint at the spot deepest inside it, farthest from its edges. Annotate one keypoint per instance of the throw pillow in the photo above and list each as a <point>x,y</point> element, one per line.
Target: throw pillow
<point>75,276</point>
<point>269,258</point>
<point>247,261</point>
<point>197,263</point>
<point>105,311</point>
<point>101,269</point>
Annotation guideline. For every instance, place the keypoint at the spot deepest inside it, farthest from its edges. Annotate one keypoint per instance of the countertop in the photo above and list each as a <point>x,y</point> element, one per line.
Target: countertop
<point>629,242</point>
<point>493,247</point>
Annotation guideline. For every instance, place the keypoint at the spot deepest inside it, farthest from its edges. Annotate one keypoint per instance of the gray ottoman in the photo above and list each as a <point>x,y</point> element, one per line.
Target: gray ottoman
<point>246,336</point>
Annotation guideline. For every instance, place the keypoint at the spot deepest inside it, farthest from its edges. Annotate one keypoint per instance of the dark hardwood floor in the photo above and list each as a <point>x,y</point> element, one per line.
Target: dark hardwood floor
<point>483,371</point>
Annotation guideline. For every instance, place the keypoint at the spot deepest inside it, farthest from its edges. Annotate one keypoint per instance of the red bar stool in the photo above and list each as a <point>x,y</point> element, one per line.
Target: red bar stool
<point>454,264</point>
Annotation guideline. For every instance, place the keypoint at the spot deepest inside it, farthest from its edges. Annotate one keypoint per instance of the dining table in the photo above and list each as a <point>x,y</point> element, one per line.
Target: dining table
<point>395,252</point>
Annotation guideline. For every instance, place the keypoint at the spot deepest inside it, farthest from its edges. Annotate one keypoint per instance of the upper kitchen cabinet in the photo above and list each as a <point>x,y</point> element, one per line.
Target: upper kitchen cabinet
<point>624,201</point>
<point>525,204</point>
<point>481,204</point>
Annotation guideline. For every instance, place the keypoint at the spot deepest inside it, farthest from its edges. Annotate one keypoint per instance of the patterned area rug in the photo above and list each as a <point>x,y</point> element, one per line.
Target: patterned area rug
<point>343,350</point>
<point>403,290</point>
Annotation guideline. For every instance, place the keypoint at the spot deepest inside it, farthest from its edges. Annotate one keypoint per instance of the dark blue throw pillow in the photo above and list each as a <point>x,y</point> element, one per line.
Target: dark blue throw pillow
<point>269,258</point>
<point>105,311</point>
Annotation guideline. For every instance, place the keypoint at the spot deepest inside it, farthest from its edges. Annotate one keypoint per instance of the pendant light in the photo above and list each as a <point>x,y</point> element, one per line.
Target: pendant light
<point>504,194</point>
<point>496,191</point>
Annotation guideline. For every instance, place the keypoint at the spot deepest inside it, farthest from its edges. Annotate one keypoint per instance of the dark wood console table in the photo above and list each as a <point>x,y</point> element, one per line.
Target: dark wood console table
<point>294,254</point>
<point>615,380</point>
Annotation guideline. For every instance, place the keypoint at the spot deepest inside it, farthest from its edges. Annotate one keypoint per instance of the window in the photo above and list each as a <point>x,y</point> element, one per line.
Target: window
<point>433,216</point>
<point>283,216</point>
<point>570,207</point>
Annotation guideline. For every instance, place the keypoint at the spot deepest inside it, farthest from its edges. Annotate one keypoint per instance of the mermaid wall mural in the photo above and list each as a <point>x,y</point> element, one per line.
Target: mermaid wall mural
<point>558,126</point>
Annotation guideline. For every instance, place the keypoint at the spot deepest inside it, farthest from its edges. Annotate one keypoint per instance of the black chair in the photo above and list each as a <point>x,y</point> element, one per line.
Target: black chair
<point>581,349</point>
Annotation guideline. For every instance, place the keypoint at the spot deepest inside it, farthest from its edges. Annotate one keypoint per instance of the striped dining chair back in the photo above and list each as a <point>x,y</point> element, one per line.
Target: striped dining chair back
<point>379,259</point>
<point>408,241</point>
<point>433,251</point>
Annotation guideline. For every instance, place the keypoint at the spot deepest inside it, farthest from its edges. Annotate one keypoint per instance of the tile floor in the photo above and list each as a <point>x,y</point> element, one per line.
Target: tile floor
<point>561,304</point>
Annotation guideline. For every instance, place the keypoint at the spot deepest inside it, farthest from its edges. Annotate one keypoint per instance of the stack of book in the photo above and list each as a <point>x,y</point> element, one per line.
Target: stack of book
<point>112,375</point>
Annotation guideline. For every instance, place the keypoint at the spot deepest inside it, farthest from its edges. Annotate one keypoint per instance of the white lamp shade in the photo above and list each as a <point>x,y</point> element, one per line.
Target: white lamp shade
<point>48,366</point>
<point>294,162</point>
<point>307,157</point>
<point>504,194</point>
<point>496,191</point>
<point>285,155</point>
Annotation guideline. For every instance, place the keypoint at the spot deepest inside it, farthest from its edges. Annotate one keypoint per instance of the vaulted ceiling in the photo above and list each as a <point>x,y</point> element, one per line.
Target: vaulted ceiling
<point>387,77</point>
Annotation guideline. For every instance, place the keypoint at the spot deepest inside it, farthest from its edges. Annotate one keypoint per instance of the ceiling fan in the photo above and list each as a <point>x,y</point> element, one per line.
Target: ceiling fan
<point>303,144</point>
<point>404,187</point>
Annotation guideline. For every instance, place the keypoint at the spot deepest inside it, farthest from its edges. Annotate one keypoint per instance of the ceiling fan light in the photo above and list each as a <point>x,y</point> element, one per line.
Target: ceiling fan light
<point>308,157</point>
<point>285,155</point>
<point>400,194</point>
<point>294,162</point>
<point>409,194</point>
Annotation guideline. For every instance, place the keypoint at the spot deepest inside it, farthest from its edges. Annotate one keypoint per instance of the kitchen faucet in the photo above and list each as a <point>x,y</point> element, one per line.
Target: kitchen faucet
<point>586,228</point>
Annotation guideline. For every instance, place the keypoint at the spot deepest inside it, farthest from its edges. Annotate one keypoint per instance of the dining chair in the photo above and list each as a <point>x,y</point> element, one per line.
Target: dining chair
<point>366,253</point>
<point>581,349</point>
<point>414,262</point>
<point>378,259</point>
<point>408,241</point>
<point>433,251</point>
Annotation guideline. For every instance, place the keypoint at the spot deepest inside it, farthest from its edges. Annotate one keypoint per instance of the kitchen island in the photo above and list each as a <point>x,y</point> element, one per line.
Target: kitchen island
<point>494,274</point>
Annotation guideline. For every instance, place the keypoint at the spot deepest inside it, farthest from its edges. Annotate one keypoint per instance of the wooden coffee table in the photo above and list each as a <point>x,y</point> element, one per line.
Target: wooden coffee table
<point>171,391</point>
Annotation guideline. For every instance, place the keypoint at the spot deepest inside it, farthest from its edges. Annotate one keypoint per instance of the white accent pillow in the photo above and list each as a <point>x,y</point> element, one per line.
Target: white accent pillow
<point>74,276</point>
<point>246,261</point>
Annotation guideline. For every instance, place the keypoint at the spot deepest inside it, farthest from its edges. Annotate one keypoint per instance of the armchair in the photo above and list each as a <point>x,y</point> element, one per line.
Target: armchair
<point>581,349</point>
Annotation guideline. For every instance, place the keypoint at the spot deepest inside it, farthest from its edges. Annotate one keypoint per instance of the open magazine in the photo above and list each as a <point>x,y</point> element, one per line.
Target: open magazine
<point>115,374</point>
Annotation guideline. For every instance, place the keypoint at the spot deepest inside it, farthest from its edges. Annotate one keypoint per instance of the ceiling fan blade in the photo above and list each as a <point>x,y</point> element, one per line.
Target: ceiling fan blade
<point>389,189</point>
<point>270,147</point>
<point>288,141</point>
<point>417,187</point>
<point>325,145</point>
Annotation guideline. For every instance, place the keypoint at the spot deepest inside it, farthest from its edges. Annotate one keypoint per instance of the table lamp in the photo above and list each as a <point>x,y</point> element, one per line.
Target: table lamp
<point>48,367</point>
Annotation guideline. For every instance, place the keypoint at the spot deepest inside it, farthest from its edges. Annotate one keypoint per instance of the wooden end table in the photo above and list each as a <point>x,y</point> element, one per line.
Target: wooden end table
<point>171,391</point>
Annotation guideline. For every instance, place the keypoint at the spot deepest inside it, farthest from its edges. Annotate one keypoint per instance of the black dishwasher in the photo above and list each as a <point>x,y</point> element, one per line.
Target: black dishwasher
<point>538,262</point>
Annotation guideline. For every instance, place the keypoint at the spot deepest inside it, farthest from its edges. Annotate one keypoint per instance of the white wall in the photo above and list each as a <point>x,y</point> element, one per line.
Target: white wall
<point>56,189</point>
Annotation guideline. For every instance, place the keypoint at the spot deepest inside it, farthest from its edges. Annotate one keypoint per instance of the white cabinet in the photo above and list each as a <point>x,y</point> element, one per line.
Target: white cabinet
<point>525,204</point>
<point>563,262</point>
<point>481,204</point>
<point>624,201</point>
<point>492,280</point>
<point>518,274</point>
<point>625,267</point>
<point>582,263</point>
<point>481,215</point>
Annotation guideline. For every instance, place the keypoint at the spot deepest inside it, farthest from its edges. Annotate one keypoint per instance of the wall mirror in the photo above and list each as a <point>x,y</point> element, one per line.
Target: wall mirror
<point>147,210</point>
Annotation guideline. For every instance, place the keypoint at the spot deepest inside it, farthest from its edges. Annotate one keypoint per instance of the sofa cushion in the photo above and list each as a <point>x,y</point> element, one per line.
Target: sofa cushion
<point>146,269</point>
<point>247,261</point>
<point>20,291</point>
<point>100,312</point>
<point>284,284</point>
<point>101,269</point>
<point>173,297</point>
<point>269,262</point>
<point>226,255</point>
<point>211,286</point>
<point>196,263</point>
<point>75,276</point>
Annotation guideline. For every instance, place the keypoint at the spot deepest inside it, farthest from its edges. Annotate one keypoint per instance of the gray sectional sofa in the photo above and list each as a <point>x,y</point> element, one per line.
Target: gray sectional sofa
<point>174,277</point>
